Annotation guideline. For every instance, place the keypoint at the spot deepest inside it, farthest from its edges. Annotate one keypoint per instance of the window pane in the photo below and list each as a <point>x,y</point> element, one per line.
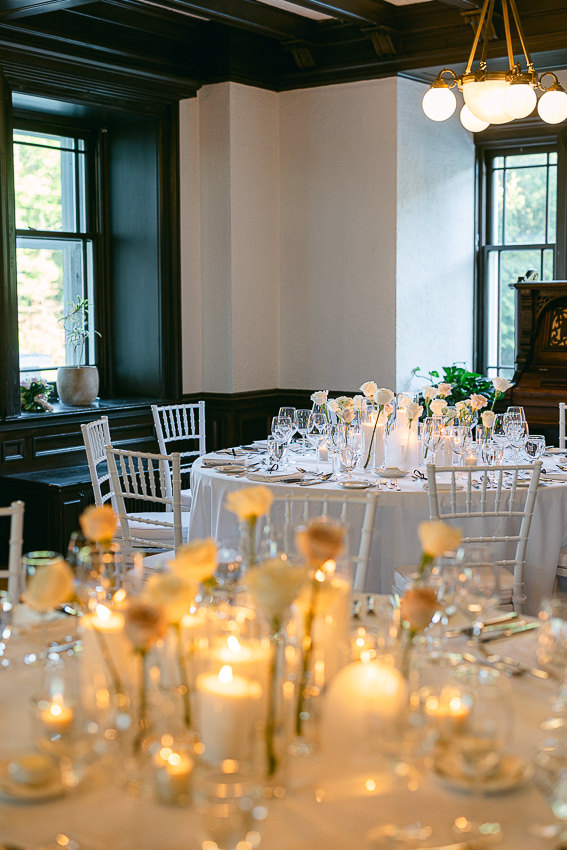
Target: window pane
<point>497,208</point>
<point>50,276</point>
<point>526,202</point>
<point>548,269</point>
<point>526,159</point>
<point>46,185</point>
<point>553,158</point>
<point>552,205</point>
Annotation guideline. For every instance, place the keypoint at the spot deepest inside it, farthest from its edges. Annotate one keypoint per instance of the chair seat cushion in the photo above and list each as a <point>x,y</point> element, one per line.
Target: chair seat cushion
<point>160,534</point>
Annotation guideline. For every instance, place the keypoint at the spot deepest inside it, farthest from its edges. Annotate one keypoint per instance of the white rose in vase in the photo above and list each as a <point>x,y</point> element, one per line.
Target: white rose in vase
<point>501,385</point>
<point>429,393</point>
<point>383,396</point>
<point>438,406</point>
<point>445,390</point>
<point>369,388</point>
<point>320,397</point>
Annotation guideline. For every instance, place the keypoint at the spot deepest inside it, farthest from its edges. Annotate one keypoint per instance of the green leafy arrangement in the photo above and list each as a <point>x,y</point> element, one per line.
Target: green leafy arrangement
<point>76,325</point>
<point>464,383</point>
<point>34,393</point>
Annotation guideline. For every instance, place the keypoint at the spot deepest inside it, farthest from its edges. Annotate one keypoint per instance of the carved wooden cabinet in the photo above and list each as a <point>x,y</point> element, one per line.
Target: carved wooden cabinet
<point>540,381</point>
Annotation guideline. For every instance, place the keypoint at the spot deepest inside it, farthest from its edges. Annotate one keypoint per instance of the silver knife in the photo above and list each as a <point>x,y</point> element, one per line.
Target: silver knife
<point>493,623</point>
<point>513,630</point>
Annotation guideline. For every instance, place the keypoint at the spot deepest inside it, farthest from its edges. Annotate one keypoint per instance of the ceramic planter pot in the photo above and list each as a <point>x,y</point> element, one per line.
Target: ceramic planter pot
<point>77,385</point>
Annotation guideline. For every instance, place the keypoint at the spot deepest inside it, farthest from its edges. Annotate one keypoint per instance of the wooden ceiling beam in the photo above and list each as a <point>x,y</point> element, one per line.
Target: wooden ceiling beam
<point>245,14</point>
<point>13,9</point>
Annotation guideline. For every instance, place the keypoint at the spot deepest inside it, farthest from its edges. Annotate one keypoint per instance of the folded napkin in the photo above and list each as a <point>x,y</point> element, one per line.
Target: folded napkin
<point>266,477</point>
<point>554,476</point>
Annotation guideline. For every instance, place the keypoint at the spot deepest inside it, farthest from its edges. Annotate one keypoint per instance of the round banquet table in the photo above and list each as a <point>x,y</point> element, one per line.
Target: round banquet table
<point>332,802</point>
<point>394,542</point>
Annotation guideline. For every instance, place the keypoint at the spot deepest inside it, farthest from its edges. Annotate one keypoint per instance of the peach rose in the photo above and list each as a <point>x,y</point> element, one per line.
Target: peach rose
<point>144,624</point>
<point>249,502</point>
<point>418,605</point>
<point>50,586</point>
<point>195,561</point>
<point>98,523</point>
<point>437,537</point>
<point>322,539</point>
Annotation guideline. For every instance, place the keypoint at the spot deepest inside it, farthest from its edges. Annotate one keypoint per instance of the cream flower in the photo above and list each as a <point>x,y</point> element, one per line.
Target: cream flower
<point>478,401</point>
<point>388,409</point>
<point>383,396</point>
<point>461,405</point>
<point>173,593</point>
<point>249,502</point>
<point>144,624</point>
<point>332,406</point>
<point>50,586</point>
<point>445,390</point>
<point>320,397</point>
<point>196,561</point>
<point>438,406</point>
<point>403,401</point>
<point>346,415</point>
<point>274,585</point>
<point>417,607</point>
<point>98,523</point>
<point>343,402</point>
<point>488,417</point>
<point>357,402</point>
<point>369,388</point>
<point>501,384</point>
<point>437,537</point>
<point>413,411</point>
<point>430,392</point>
<point>323,539</point>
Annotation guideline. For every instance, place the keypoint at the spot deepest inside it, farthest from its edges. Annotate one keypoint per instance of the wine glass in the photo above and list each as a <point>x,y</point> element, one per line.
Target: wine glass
<point>550,777</point>
<point>316,426</point>
<point>433,434</point>
<point>460,438</point>
<point>477,585</point>
<point>275,451</point>
<point>491,454</point>
<point>499,430</point>
<point>535,446</point>
<point>282,429</point>
<point>33,563</point>
<point>350,447</point>
<point>301,422</point>
<point>290,412</point>
<point>516,428</point>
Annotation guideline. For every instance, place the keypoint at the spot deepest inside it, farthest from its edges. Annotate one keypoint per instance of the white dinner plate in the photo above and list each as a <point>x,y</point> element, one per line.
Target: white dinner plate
<point>354,485</point>
<point>10,789</point>
<point>512,773</point>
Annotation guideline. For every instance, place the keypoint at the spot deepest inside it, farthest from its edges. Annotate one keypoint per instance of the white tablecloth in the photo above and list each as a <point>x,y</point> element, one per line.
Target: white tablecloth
<point>395,542</point>
<point>329,806</point>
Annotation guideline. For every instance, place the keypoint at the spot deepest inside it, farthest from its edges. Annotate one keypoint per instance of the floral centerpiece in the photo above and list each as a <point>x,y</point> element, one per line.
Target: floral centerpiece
<point>248,504</point>
<point>34,393</point>
<point>379,398</point>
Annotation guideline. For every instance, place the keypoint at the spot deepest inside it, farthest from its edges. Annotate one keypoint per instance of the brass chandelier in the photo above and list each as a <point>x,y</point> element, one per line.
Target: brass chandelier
<point>496,97</point>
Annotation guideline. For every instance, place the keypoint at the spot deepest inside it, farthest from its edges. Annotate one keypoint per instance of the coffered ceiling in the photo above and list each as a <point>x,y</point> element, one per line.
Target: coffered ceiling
<point>274,43</point>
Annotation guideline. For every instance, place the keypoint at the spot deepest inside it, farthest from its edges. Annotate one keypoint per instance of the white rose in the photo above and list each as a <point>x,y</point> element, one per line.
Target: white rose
<point>369,388</point>
<point>195,561</point>
<point>144,624</point>
<point>50,586</point>
<point>320,397</point>
<point>438,406</point>
<point>383,396</point>
<point>346,415</point>
<point>357,402</point>
<point>413,410</point>
<point>274,586</point>
<point>438,537</point>
<point>173,593</point>
<point>501,384</point>
<point>403,401</point>
<point>445,390</point>
<point>332,406</point>
<point>478,401</point>
<point>461,405</point>
<point>430,392</point>
<point>344,401</point>
<point>250,502</point>
<point>488,417</point>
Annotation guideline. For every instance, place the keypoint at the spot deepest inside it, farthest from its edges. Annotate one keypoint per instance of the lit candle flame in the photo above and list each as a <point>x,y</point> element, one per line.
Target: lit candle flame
<point>225,674</point>
<point>103,612</point>
<point>233,643</point>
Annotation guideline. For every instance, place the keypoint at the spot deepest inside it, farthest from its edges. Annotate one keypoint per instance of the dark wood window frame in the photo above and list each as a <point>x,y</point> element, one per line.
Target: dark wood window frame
<point>521,137</point>
<point>136,176</point>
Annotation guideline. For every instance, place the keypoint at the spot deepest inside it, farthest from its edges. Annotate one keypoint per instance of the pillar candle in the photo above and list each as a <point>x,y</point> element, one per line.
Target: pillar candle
<point>228,708</point>
<point>106,650</point>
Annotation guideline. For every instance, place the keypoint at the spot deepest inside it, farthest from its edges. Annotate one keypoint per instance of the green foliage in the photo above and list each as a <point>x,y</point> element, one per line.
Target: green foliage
<point>76,324</point>
<point>464,383</point>
<point>29,390</point>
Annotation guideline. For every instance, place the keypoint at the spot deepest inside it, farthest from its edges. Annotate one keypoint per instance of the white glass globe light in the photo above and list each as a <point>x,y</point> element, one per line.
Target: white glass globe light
<point>520,100</point>
<point>439,103</point>
<point>470,122</point>
<point>552,106</point>
<point>485,99</point>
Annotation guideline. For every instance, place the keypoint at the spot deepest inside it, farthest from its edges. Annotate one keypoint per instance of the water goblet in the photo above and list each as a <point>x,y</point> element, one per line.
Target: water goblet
<point>535,446</point>
<point>499,431</point>
<point>316,427</point>
<point>275,451</point>
<point>287,411</point>
<point>33,563</point>
<point>478,583</point>
<point>516,428</point>
<point>282,429</point>
<point>433,430</point>
<point>229,803</point>
<point>460,439</point>
<point>301,422</point>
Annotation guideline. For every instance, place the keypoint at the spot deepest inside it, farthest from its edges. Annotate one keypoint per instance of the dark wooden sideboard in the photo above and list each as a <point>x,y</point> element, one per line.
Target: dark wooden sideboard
<point>540,381</point>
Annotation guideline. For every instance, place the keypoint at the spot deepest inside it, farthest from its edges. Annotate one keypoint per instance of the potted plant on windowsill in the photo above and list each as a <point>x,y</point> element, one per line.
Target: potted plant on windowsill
<point>77,385</point>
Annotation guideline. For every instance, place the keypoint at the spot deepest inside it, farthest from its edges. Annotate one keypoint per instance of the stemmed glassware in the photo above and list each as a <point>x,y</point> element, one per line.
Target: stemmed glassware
<point>301,423</point>
<point>275,451</point>
<point>535,446</point>
<point>433,435</point>
<point>460,438</point>
<point>316,427</point>
<point>350,447</point>
<point>516,428</point>
<point>477,585</point>
<point>282,430</point>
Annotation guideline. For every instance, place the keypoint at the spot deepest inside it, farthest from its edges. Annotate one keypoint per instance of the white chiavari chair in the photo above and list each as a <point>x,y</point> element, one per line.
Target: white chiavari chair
<point>13,572</point>
<point>141,478</point>
<point>353,510</point>
<point>180,425</point>
<point>96,436</point>
<point>494,505</point>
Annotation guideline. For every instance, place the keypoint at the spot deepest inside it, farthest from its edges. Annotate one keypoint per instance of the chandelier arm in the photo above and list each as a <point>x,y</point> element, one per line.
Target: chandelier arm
<point>508,34</point>
<point>477,36</point>
<point>518,23</point>
<point>486,35</point>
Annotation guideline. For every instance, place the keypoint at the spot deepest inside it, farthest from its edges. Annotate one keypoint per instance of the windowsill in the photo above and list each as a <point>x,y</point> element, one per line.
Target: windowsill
<point>65,410</point>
